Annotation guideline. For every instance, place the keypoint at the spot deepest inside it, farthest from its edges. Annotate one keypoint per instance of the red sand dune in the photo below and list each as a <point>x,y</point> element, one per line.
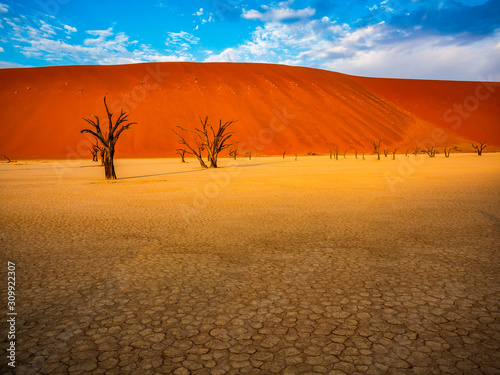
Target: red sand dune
<point>278,108</point>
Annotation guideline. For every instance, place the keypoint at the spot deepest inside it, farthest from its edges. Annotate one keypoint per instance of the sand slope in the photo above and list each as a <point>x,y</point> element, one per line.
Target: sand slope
<point>277,107</point>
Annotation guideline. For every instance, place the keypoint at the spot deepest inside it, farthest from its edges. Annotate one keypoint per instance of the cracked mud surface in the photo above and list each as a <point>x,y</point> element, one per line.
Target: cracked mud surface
<point>280,267</point>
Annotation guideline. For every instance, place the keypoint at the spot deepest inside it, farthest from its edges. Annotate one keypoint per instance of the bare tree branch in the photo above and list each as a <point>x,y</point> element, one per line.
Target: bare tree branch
<point>480,148</point>
<point>108,140</point>
<point>209,139</point>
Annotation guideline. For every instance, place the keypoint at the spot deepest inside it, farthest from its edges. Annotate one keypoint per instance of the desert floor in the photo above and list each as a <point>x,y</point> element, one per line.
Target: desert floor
<point>263,266</point>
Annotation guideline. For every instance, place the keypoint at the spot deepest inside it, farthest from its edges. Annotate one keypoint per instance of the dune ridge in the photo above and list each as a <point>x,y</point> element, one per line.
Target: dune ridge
<point>278,108</point>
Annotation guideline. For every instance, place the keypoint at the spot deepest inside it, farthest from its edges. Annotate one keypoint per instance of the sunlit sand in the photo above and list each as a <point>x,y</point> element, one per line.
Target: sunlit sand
<point>267,265</point>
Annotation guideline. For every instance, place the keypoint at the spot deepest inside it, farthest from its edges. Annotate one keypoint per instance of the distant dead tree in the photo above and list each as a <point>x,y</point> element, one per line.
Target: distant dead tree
<point>363,155</point>
<point>416,150</point>
<point>447,154</point>
<point>376,148</point>
<point>233,152</point>
<point>406,153</point>
<point>94,150</point>
<point>335,151</point>
<point>356,153</point>
<point>345,152</point>
<point>207,138</point>
<point>295,156</point>
<point>8,160</point>
<point>394,154</point>
<point>182,153</point>
<point>386,151</point>
<point>480,147</point>
<point>249,154</point>
<point>109,139</point>
<point>284,152</point>
<point>103,153</point>
<point>196,151</point>
<point>431,151</point>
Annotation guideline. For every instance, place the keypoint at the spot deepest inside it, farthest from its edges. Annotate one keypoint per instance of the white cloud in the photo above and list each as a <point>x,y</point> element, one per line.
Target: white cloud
<point>4,8</point>
<point>181,41</point>
<point>47,29</point>
<point>1,49</point>
<point>198,13</point>
<point>278,13</point>
<point>7,65</point>
<point>101,47</point>
<point>210,19</point>
<point>280,42</point>
<point>70,29</point>
<point>426,58</point>
<point>101,34</point>
<point>375,50</point>
<point>107,41</point>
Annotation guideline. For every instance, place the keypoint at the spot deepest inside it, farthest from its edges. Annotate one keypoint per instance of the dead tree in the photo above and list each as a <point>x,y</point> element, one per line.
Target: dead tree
<point>295,156</point>
<point>219,140</point>
<point>109,139</point>
<point>233,152</point>
<point>249,154</point>
<point>447,153</point>
<point>209,139</point>
<point>363,155</point>
<point>8,160</point>
<point>196,151</point>
<point>416,150</point>
<point>356,153</point>
<point>480,148</point>
<point>431,151</point>
<point>103,154</point>
<point>394,154</point>
<point>386,151</point>
<point>376,148</point>
<point>335,151</point>
<point>182,153</point>
<point>406,153</point>
<point>94,150</point>
<point>345,152</point>
<point>100,150</point>
<point>284,152</point>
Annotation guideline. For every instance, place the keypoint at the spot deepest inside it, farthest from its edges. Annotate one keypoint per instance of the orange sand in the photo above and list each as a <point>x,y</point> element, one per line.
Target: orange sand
<point>278,108</point>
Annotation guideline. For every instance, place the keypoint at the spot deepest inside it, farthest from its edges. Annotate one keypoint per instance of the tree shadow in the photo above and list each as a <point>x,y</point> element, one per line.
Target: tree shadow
<point>251,165</point>
<point>161,174</point>
<point>494,219</point>
<point>200,170</point>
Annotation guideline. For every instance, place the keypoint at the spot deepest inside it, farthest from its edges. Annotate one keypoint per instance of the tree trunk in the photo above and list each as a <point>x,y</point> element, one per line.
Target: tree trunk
<point>200,159</point>
<point>109,167</point>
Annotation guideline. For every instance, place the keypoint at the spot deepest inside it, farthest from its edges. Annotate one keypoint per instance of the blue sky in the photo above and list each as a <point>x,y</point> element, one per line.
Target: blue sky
<point>444,39</point>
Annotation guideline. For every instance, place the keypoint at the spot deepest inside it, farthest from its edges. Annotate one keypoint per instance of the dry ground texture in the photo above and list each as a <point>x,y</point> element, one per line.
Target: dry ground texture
<point>264,266</point>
